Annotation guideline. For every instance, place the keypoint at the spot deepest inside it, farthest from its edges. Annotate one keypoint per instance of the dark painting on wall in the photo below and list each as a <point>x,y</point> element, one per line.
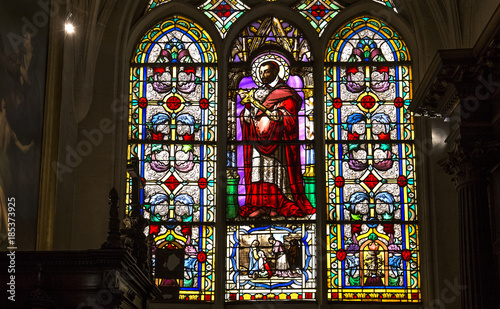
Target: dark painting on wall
<point>23,65</point>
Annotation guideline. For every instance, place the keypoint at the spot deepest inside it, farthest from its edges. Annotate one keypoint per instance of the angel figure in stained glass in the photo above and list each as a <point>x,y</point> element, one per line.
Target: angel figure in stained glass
<point>356,130</point>
<point>185,127</point>
<point>159,154</point>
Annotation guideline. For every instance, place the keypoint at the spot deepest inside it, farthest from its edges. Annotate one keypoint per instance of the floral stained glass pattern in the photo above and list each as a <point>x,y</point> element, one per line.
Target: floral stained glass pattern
<point>270,166</point>
<point>172,126</point>
<point>223,13</point>
<point>373,247</point>
<point>319,12</point>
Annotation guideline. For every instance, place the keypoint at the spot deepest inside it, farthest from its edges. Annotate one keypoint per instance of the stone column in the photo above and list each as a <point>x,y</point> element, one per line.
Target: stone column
<point>470,167</point>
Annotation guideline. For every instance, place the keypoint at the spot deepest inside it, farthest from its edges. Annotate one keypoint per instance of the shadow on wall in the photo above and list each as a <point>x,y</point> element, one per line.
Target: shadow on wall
<point>23,60</point>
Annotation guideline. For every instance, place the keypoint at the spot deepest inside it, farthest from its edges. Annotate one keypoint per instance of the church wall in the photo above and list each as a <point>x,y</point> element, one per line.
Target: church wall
<point>443,208</point>
<point>102,129</point>
<point>495,189</point>
<point>23,64</point>
<point>495,212</point>
<point>475,15</point>
<point>68,158</point>
<point>445,24</point>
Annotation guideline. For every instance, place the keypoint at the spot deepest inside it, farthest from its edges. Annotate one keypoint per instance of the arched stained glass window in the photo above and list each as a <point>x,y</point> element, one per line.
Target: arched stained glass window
<point>173,109</point>
<point>271,206</point>
<point>271,241</point>
<point>373,246</point>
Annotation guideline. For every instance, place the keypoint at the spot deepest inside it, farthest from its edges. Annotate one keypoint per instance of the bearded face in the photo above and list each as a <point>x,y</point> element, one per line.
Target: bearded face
<point>268,73</point>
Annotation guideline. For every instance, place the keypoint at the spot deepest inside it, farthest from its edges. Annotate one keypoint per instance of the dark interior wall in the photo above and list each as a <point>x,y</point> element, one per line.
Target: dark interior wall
<point>101,128</point>
<point>444,219</point>
<point>23,62</point>
<point>475,16</point>
<point>94,120</point>
<point>445,24</point>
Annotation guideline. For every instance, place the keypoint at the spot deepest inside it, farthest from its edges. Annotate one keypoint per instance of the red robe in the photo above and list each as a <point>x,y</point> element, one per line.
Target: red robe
<point>263,132</point>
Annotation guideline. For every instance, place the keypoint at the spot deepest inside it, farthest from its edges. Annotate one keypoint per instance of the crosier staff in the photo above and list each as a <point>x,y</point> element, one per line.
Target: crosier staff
<point>249,97</point>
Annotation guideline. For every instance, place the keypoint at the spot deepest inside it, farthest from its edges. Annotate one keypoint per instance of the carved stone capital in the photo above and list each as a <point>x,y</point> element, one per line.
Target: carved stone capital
<point>459,75</point>
<point>470,163</point>
<point>439,93</point>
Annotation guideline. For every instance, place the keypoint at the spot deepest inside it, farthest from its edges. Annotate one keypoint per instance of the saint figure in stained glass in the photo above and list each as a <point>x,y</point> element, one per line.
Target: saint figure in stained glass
<point>282,262</point>
<point>270,160</point>
<point>273,177</point>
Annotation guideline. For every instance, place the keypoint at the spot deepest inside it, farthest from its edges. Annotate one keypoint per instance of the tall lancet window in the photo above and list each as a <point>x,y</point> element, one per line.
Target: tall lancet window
<point>271,206</point>
<point>373,246</point>
<point>172,134</point>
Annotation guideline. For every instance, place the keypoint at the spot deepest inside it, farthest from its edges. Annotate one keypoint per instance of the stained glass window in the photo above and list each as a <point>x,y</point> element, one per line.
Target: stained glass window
<point>223,13</point>
<point>319,12</point>
<point>155,3</point>
<point>270,195</point>
<point>373,246</point>
<point>271,183</point>
<point>172,134</point>
<point>388,3</point>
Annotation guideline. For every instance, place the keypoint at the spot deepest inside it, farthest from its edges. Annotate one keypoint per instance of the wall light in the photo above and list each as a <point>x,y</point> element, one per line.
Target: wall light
<point>69,28</point>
